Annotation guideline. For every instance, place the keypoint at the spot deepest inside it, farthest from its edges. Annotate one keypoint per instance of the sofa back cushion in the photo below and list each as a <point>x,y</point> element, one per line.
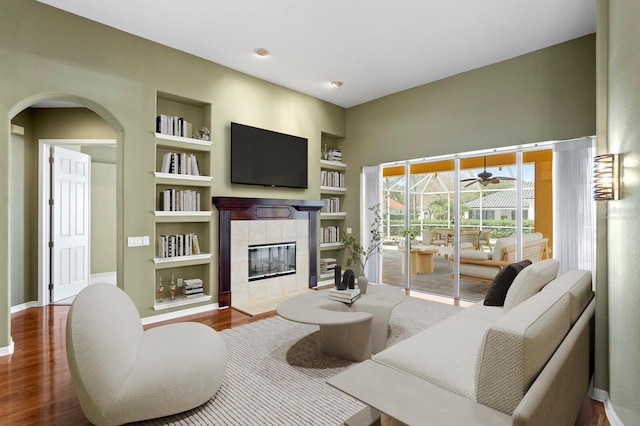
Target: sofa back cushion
<point>578,284</point>
<point>517,347</point>
<point>530,281</point>
<point>502,281</point>
<point>501,243</point>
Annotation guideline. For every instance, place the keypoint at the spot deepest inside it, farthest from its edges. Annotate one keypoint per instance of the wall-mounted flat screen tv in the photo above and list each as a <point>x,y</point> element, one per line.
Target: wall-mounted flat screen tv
<point>267,158</point>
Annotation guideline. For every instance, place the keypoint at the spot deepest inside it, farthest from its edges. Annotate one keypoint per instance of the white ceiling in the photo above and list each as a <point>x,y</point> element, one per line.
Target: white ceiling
<point>375,47</point>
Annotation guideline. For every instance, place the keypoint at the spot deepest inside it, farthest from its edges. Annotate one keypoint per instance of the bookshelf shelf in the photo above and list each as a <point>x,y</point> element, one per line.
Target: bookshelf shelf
<point>333,216</point>
<point>330,246</point>
<point>332,190</point>
<point>179,300</point>
<point>171,141</point>
<point>176,261</point>
<point>178,179</point>
<point>332,165</point>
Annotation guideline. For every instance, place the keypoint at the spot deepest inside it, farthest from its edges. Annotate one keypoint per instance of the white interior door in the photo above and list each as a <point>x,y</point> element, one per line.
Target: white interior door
<point>70,183</point>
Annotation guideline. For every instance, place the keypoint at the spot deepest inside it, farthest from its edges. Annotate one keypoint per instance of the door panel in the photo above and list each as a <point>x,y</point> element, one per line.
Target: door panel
<point>69,222</point>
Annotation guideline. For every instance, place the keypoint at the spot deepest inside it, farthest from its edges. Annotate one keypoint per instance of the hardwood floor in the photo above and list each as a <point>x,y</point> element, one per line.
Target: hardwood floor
<point>37,389</point>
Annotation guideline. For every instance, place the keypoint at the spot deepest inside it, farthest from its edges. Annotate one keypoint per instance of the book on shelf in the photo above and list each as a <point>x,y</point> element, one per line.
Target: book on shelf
<point>178,245</point>
<point>333,179</point>
<point>180,164</point>
<point>327,264</point>
<point>173,125</point>
<point>334,154</point>
<point>329,234</point>
<point>172,200</point>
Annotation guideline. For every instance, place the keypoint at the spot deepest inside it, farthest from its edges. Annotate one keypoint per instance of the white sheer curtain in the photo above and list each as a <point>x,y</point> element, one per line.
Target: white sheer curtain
<point>573,205</point>
<point>371,182</point>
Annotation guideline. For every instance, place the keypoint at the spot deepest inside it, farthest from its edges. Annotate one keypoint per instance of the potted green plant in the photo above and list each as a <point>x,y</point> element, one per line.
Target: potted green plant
<point>412,233</point>
<point>357,254</point>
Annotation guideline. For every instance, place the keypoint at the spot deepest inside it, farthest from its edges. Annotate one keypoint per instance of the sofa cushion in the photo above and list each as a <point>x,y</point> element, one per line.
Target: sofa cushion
<point>480,271</point>
<point>518,346</point>
<point>578,284</point>
<point>530,281</point>
<point>443,354</point>
<point>501,243</point>
<point>484,313</point>
<point>502,281</point>
<point>474,254</point>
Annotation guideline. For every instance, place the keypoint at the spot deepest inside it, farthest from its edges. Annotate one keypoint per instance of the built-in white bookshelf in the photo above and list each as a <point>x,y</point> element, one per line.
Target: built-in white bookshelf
<point>183,165</point>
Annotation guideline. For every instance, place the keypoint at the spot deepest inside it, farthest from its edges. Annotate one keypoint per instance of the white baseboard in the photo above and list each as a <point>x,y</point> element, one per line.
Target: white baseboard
<point>23,306</point>
<point>7,350</point>
<point>603,396</point>
<point>179,314</point>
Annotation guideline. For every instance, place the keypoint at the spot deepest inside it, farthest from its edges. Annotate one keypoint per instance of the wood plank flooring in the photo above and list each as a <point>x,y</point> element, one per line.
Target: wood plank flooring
<point>36,388</point>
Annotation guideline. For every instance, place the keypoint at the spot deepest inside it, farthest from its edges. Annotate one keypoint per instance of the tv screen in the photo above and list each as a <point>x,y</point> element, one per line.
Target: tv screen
<point>267,158</point>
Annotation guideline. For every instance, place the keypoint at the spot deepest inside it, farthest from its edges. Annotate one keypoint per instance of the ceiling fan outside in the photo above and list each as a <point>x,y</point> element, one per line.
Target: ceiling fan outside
<point>485,178</point>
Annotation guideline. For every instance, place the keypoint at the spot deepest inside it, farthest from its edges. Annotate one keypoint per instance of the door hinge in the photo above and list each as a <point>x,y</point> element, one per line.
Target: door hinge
<point>50,244</point>
<point>50,286</point>
<point>50,160</point>
<point>51,201</point>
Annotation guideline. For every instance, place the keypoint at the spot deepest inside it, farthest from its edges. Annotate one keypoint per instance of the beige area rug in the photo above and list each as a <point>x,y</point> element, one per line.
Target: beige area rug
<point>276,374</point>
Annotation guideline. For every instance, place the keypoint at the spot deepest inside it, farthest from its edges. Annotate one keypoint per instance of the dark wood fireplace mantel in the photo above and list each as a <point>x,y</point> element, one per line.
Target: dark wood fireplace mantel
<point>236,208</point>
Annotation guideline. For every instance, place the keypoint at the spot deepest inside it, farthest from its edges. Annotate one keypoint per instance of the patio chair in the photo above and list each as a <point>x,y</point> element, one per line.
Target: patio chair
<point>484,241</point>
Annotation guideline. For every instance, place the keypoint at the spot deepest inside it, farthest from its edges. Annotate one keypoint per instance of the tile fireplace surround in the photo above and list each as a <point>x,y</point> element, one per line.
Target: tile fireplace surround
<point>247,221</point>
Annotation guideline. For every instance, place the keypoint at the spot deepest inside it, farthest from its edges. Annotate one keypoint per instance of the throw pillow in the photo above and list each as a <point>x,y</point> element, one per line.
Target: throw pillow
<point>502,281</point>
<point>530,281</point>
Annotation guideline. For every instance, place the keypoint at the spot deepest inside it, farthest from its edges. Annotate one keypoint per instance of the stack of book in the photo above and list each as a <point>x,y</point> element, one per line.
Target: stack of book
<point>334,179</point>
<point>178,245</point>
<point>334,154</point>
<point>329,234</point>
<point>180,163</point>
<point>346,296</point>
<point>327,265</point>
<point>332,205</point>
<point>186,200</point>
<point>192,288</point>
<point>173,125</point>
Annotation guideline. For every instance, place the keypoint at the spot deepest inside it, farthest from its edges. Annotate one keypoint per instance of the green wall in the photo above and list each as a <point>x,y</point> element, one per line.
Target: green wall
<point>544,95</point>
<point>622,128</point>
<point>49,54</point>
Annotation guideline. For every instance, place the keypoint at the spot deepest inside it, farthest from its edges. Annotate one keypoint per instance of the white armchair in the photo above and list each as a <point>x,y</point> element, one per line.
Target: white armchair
<point>123,374</point>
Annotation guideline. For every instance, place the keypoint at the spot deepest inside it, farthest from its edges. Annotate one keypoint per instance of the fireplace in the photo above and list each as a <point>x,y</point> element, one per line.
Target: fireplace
<point>271,260</point>
<point>256,221</point>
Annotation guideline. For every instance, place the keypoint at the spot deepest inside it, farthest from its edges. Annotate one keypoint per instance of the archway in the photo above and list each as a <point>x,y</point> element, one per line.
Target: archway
<point>29,221</point>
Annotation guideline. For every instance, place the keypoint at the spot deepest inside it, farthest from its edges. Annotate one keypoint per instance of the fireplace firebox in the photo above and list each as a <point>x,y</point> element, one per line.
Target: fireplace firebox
<point>271,260</point>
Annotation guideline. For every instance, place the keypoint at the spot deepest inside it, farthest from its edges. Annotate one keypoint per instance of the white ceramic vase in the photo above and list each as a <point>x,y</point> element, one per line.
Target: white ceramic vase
<point>362,284</point>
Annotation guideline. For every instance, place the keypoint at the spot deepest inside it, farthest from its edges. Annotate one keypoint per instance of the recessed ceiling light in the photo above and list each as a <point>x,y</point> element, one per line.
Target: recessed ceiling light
<point>261,51</point>
<point>336,84</point>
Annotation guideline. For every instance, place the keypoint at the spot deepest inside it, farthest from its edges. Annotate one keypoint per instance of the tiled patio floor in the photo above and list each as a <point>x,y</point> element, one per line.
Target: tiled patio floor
<point>437,282</point>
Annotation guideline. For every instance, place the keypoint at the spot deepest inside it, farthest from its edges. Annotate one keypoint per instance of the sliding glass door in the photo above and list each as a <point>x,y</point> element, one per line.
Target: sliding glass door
<point>432,210</point>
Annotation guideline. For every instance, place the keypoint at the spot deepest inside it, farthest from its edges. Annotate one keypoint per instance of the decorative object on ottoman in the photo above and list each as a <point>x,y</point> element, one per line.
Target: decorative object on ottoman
<point>363,282</point>
<point>347,280</point>
<point>123,374</point>
<point>340,285</point>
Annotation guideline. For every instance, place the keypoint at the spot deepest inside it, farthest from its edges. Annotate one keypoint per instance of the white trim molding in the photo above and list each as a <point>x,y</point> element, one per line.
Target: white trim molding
<point>7,350</point>
<point>23,306</point>
<point>179,314</point>
<point>603,396</point>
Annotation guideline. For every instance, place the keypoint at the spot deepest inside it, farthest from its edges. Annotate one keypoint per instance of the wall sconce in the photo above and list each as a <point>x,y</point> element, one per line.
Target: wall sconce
<point>606,177</point>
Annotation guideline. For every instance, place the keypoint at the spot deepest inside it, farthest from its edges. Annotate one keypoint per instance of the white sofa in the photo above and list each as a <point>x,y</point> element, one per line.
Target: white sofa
<point>527,363</point>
